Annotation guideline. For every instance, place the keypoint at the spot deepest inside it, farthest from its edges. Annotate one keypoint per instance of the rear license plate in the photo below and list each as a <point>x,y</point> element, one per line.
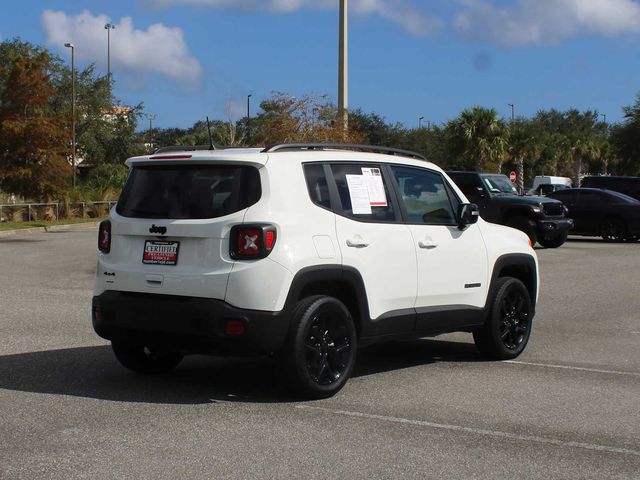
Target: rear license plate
<point>160,253</point>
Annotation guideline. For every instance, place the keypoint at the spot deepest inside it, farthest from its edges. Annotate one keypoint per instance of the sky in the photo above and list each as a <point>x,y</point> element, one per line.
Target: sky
<point>185,59</point>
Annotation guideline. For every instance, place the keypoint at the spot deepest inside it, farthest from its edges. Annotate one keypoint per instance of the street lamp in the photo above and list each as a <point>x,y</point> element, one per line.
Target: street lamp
<point>512,111</point>
<point>108,27</point>
<point>420,122</point>
<point>73,110</point>
<point>151,117</point>
<point>604,116</point>
<point>249,116</point>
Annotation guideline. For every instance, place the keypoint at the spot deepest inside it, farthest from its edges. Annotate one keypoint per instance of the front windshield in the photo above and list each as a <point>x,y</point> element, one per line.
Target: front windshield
<point>499,184</point>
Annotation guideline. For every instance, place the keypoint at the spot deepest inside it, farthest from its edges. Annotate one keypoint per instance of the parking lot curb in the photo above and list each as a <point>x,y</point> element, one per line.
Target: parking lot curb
<point>72,227</point>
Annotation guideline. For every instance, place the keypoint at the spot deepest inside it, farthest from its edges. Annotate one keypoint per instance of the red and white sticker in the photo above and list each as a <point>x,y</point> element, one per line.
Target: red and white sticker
<point>160,253</point>
<point>375,187</point>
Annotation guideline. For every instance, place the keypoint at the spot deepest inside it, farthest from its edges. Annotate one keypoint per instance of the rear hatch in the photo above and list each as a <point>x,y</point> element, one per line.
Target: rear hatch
<point>170,228</point>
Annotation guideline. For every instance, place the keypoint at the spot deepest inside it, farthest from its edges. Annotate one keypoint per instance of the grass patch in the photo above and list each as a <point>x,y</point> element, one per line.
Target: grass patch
<point>43,223</point>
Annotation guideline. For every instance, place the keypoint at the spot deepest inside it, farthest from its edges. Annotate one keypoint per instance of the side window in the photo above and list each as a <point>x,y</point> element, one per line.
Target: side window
<point>470,184</point>
<point>565,197</point>
<point>425,196</point>
<point>363,192</point>
<point>592,199</point>
<point>317,184</point>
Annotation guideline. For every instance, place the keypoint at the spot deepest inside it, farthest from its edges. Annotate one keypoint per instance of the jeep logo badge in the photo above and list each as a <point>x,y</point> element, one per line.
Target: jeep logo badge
<point>157,229</point>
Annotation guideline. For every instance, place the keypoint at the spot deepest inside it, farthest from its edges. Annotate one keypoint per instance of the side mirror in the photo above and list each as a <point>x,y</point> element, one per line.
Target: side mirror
<point>468,214</point>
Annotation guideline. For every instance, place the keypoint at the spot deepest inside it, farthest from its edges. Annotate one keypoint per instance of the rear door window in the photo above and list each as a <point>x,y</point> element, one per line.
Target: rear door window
<point>352,185</point>
<point>189,191</point>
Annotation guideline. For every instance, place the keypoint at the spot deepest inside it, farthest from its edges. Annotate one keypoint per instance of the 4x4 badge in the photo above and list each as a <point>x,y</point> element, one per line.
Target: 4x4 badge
<point>157,229</point>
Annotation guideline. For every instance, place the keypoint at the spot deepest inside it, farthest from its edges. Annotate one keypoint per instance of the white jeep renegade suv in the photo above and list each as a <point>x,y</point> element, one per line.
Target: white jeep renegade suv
<point>305,252</point>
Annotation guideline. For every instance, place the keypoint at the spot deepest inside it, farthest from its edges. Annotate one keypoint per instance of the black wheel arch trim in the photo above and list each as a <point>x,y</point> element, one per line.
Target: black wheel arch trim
<point>319,274</point>
<point>528,275</point>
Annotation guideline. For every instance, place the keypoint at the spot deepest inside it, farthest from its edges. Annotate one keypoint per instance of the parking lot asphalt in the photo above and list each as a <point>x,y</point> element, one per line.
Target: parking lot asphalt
<point>567,408</point>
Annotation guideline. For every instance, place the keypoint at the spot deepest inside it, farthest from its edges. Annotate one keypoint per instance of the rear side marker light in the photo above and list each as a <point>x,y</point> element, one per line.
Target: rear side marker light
<point>97,313</point>
<point>104,236</point>
<point>234,328</point>
<point>269,240</point>
<point>252,242</point>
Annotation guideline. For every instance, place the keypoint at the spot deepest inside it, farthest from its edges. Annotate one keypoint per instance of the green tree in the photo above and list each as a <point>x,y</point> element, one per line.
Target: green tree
<point>525,144</point>
<point>574,139</point>
<point>309,119</point>
<point>481,136</point>
<point>625,140</point>
<point>105,182</point>
<point>34,143</point>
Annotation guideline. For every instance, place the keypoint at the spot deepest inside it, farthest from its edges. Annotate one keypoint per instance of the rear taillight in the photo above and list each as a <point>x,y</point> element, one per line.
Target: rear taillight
<point>250,242</point>
<point>104,236</point>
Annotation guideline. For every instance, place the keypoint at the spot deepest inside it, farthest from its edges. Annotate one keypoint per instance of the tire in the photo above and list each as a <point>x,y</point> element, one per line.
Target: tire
<point>320,350</point>
<point>524,224</point>
<point>142,359</point>
<point>507,329</point>
<point>554,242</point>
<point>613,230</point>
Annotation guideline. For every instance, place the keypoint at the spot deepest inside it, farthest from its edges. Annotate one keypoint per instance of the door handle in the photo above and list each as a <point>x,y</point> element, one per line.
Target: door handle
<point>357,242</point>
<point>427,244</point>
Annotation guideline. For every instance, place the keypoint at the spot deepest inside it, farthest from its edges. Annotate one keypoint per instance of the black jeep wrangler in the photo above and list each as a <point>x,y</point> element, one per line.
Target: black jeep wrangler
<point>542,219</point>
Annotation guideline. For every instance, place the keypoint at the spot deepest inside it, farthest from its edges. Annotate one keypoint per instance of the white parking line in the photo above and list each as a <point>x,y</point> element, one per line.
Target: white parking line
<point>568,367</point>
<point>475,431</point>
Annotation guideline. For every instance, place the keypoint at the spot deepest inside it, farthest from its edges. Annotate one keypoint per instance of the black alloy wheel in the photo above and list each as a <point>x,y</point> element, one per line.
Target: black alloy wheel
<point>613,230</point>
<point>144,359</point>
<point>328,348</point>
<point>320,350</point>
<point>508,328</point>
<point>514,318</point>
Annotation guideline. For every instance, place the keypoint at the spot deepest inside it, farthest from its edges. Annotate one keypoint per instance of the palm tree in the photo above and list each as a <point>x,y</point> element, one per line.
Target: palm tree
<point>585,147</point>
<point>524,143</point>
<point>482,135</point>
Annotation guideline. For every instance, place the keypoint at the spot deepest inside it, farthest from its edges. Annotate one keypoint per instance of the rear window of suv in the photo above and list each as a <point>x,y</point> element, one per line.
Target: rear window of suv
<point>188,191</point>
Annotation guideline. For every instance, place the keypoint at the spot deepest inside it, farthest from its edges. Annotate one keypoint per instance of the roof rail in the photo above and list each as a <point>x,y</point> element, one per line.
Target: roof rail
<point>184,148</point>
<point>288,147</point>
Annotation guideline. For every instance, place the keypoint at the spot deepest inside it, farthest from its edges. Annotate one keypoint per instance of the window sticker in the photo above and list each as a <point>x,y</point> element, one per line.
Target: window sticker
<point>359,194</point>
<point>375,187</point>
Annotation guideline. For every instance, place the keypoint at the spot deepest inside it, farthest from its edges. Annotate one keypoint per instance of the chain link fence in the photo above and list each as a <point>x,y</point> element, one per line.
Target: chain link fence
<point>28,212</point>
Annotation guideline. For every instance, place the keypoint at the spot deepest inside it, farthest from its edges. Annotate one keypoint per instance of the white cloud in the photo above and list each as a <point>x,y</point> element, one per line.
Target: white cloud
<point>547,22</point>
<point>159,50</point>
<point>401,12</point>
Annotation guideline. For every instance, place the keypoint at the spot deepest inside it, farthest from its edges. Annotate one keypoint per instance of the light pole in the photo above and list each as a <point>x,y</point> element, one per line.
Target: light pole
<point>343,64</point>
<point>604,116</point>
<point>520,161</point>
<point>73,110</point>
<point>249,116</point>
<point>420,122</point>
<point>108,27</point>
<point>151,118</point>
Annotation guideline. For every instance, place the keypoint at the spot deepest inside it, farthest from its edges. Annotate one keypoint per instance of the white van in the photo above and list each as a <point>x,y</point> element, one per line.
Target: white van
<point>545,184</point>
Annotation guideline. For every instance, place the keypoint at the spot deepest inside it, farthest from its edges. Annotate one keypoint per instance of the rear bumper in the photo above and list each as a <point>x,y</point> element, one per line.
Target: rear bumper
<point>189,324</point>
<point>554,227</point>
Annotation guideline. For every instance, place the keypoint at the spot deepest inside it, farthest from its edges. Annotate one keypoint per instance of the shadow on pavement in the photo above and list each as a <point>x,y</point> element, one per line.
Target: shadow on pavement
<point>93,372</point>
<point>19,240</point>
